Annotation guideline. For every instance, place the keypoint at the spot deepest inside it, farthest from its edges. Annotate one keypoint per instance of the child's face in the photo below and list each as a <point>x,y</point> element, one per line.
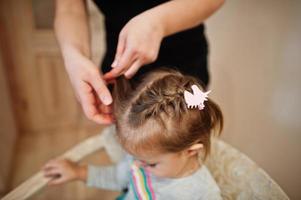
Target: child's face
<point>168,165</point>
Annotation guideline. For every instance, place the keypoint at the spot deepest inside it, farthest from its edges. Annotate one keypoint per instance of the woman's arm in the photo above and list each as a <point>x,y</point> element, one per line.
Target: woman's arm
<point>71,26</point>
<point>72,31</point>
<point>178,15</point>
<point>139,41</point>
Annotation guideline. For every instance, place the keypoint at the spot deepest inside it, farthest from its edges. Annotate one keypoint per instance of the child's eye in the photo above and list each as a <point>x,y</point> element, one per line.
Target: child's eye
<point>152,165</point>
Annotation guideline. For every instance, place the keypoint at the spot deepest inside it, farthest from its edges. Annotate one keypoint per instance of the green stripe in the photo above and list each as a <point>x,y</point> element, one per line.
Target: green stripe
<point>146,185</point>
<point>133,186</point>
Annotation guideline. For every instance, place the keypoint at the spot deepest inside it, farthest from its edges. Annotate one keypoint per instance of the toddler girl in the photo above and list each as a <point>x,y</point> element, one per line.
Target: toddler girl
<point>165,124</point>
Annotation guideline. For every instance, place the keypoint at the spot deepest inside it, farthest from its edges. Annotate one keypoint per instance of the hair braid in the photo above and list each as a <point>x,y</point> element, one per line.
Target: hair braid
<point>163,95</point>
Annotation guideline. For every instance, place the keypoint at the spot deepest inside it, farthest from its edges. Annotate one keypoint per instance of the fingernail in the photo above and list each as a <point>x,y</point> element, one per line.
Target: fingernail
<point>114,64</point>
<point>106,100</point>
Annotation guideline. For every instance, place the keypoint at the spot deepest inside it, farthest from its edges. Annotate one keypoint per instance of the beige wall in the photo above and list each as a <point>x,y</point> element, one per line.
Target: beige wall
<point>256,67</point>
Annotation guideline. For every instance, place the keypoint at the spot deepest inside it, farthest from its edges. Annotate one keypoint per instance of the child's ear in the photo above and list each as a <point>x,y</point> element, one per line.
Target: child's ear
<point>194,149</point>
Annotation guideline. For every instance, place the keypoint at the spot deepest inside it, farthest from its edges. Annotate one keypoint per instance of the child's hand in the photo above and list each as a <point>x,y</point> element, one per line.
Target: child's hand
<point>62,171</point>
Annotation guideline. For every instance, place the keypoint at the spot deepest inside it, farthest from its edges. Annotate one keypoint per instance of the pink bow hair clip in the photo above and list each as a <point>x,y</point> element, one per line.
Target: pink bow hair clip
<point>197,98</point>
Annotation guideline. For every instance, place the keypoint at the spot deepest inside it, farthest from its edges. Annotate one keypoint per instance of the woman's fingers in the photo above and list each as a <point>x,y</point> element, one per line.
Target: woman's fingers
<point>90,106</point>
<point>101,89</point>
<point>106,110</point>
<point>119,50</point>
<point>133,69</point>
<point>87,99</point>
<point>124,62</point>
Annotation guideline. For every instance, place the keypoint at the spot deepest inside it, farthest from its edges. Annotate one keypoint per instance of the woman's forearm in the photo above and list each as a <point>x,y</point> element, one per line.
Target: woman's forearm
<point>179,15</point>
<point>71,27</point>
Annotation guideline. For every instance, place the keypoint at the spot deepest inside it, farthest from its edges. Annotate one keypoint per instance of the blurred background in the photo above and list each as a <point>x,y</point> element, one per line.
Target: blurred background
<point>255,64</point>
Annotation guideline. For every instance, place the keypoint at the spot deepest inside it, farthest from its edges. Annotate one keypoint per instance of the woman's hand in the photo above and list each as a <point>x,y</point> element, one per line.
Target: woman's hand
<point>139,41</point>
<point>72,31</point>
<point>138,44</point>
<point>89,87</point>
<point>62,171</point>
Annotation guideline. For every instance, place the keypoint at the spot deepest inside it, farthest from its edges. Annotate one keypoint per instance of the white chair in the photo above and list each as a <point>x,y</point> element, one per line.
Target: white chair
<point>237,176</point>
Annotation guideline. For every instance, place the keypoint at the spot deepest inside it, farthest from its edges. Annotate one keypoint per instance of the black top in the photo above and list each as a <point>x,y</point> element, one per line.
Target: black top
<point>186,50</point>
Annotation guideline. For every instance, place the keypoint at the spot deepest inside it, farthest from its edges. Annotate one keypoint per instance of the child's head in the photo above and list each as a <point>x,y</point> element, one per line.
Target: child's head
<point>155,125</point>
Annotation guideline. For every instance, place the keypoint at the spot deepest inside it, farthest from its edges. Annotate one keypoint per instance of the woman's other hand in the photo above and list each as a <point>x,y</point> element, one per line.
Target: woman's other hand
<point>90,87</point>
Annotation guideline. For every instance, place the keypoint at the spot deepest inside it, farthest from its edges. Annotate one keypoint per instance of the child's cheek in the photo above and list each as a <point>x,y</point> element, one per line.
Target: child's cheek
<point>151,170</point>
<point>156,171</point>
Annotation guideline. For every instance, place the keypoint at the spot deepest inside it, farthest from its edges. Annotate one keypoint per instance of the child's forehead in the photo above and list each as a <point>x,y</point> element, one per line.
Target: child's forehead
<point>148,127</point>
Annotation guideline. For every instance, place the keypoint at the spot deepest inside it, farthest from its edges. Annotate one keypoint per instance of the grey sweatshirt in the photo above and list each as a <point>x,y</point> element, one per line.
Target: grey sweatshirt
<point>198,186</point>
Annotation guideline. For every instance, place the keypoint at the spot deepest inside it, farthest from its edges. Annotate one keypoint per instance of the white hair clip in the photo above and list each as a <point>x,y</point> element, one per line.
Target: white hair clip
<point>197,98</point>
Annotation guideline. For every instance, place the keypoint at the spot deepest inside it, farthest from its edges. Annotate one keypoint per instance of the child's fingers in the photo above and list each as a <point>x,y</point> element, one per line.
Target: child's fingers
<point>57,181</point>
<point>54,163</point>
<point>51,167</point>
<point>50,164</point>
<point>47,167</point>
<point>52,172</point>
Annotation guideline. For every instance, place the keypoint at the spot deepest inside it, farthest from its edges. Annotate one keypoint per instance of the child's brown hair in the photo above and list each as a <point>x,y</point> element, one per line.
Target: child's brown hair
<point>153,116</point>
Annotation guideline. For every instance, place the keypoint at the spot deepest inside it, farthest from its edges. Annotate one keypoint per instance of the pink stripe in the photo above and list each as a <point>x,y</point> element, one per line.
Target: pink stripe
<point>140,183</point>
<point>136,184</point>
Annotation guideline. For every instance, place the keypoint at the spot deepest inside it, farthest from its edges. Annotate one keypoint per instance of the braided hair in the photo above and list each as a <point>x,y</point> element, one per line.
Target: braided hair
<point>153,115</point>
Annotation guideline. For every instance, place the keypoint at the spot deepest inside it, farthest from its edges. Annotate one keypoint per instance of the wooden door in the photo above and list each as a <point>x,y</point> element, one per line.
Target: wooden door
<point>8,132</point>
<point>41,92</point>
